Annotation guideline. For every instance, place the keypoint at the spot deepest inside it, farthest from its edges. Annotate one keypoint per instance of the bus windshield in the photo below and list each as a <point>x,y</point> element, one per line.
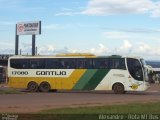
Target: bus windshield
<point>135,69</point>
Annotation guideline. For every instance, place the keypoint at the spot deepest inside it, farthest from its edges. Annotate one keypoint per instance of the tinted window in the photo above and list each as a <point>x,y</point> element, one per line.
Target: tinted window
<point>68,63</point>
<point>84,63</point>
<point>101,63</point>
<point>19,63</point>
<point>117,63</point>
<point>135,69</point>
<point>36,64</point>
<point>1,70</point>
<point>53,64</point>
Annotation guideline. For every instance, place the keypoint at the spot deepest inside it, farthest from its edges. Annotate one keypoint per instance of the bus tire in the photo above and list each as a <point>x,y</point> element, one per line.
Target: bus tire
<point>44,87</point>
<point>32,86</point>
<point>118,88</point>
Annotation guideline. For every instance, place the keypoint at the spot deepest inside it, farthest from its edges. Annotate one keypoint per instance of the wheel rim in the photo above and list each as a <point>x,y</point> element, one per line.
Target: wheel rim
<point>44,87</point>
<point>33,87</point>
<point>118,88</point>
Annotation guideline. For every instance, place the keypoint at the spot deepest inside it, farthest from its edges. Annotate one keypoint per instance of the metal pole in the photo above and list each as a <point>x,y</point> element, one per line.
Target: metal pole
<point>36,50</point>
<point>16,42</point>
<point>16,45</point>
<point>20,52</point>
<point>33,44</point>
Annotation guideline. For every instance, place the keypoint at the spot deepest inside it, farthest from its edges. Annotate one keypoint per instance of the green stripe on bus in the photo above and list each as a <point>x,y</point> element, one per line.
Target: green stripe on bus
<point>96,79</point>
<point>84,79</point>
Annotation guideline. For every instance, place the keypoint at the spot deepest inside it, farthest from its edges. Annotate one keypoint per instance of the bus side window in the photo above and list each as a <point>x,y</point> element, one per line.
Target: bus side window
<point>80,63</point>
<point>13,63</point>
<point>53,64</point>
<point>84,63</point>
<point>88,63</point>
<point>101,63</point>
<point>117,63</point>
<point>24,66</point>
<point>37,64</point>
<point>19,63</point>
<point>68,63</point>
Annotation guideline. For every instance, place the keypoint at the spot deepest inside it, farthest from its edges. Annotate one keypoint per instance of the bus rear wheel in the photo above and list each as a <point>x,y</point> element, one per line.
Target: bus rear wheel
<point>118,88</point>
<point>44,87</point>
<point>32,86</point>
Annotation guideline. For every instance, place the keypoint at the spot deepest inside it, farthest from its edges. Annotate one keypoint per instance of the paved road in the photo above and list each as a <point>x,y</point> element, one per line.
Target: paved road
<point>33,102</point>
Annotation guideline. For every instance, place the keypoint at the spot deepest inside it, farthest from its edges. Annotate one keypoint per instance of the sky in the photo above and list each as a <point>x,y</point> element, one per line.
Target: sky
<point>101,27</point>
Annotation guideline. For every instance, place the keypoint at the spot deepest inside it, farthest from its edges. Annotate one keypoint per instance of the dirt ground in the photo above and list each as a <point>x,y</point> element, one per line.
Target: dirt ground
<point>34,102</point>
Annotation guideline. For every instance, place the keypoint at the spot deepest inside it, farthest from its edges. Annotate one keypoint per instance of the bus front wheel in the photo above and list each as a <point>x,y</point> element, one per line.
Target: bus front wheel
<point>32,86</point>
<point>118,88</point>
<point>44,87</point>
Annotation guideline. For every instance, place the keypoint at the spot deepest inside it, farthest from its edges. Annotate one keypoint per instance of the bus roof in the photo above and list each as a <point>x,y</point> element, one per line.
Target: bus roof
<point>66,55</point>
<point>71,55</point>
<point>75,55</point>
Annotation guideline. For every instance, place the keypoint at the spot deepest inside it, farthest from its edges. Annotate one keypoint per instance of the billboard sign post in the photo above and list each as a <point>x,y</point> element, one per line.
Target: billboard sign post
<point>27,28</point>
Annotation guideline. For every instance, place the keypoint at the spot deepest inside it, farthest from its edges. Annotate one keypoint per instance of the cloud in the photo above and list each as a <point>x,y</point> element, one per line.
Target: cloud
<point>138,34</point>
<point>52,26</point>
<point>156,10</point>
<point>56,26</point>
<point>46,50</point>
<point>115,35</point>
<point>141,30</point>
<point>126,45</point>
<point>126,48</point>
<point>68,12</point>
<point>115,7</point>
<point>132,30</point>
<point>143,48</point>
<point>101,50</point>
<point>6,44</point>
<point>6,48</point>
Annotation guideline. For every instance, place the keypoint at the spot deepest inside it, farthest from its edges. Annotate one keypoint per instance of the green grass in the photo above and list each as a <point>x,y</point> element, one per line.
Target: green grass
<point>10,91</point>
<point>139,108</point>
<point>97,113</point>
<point>94,113</point>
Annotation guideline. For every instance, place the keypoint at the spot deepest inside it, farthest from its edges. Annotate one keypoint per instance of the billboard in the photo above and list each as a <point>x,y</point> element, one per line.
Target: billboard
<point>28,28</point>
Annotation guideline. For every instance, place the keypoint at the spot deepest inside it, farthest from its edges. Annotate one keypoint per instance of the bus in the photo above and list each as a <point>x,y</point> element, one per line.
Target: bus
<point>78,72</point>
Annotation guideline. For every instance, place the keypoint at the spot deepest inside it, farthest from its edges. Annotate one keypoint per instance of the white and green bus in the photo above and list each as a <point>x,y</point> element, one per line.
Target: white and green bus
<point>78,72</point>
